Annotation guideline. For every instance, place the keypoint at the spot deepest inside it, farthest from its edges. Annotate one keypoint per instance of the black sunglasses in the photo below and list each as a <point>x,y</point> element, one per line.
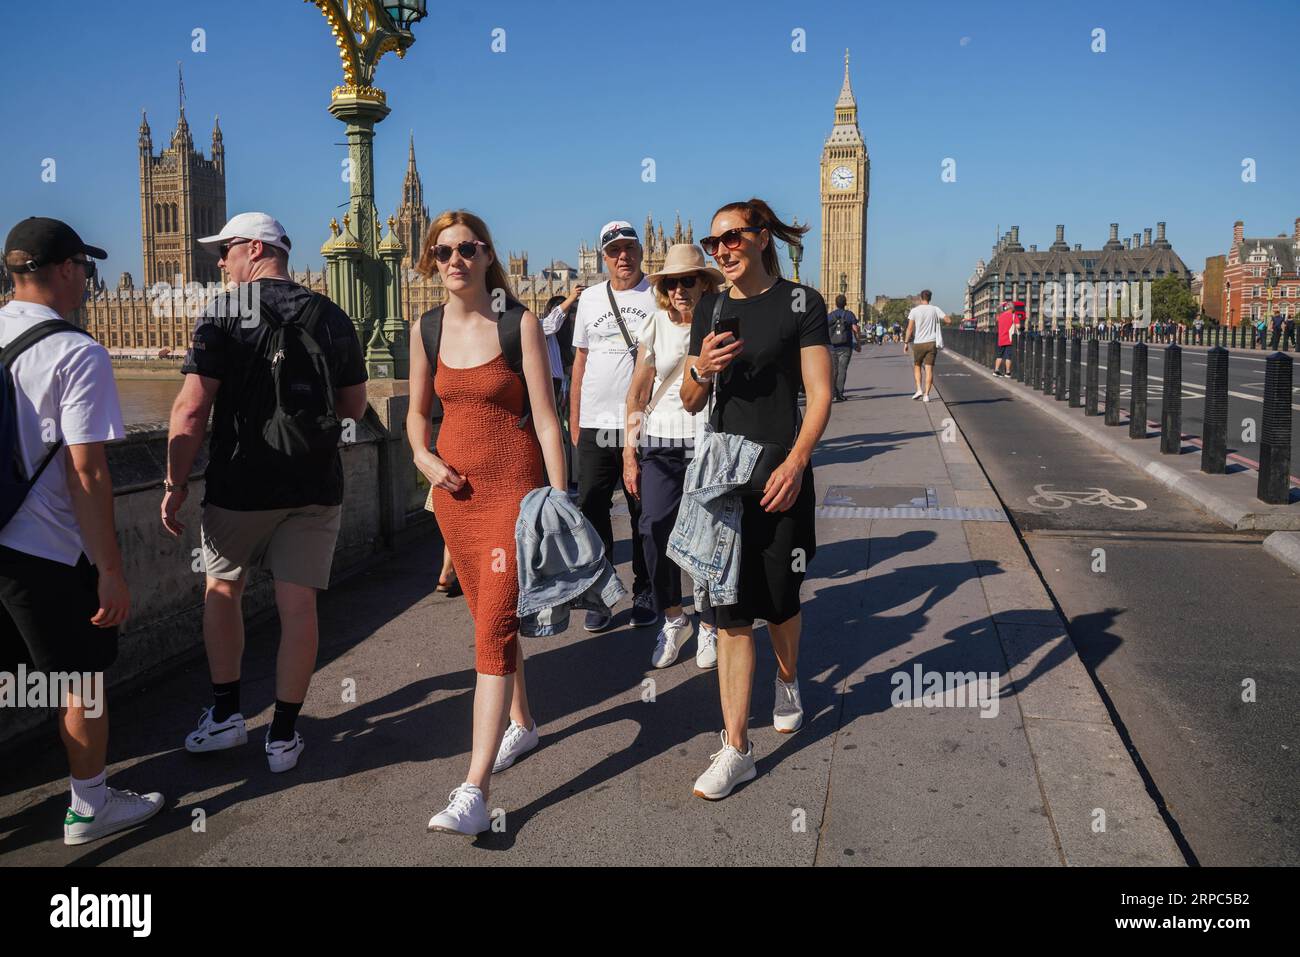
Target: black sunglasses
<point>226,247</point>
<point>623,232</point>
<point>731,239</point>
<point>686,282</point>
<point>467,250</point>
<point>89,265</point>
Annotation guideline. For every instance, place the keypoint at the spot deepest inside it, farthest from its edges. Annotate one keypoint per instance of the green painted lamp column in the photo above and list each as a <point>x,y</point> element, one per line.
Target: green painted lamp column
<point>361,280</point>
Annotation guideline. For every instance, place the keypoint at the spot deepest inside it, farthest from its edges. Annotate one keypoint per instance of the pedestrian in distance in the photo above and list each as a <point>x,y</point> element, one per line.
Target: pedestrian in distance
<point>63,590</point>
<point>1008,328</point>
<point>843,327</point>
<point>770,336</point>
<point>925,333</point>
<point>660,437</point>
<point>280,383</point>
<point>483,358</point>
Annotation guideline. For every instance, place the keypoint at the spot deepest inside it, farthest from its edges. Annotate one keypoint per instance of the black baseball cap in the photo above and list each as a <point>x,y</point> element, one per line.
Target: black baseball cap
<point>46,241</point>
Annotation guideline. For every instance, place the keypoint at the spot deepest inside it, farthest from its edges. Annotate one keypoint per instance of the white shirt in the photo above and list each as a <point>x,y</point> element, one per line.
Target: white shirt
<point>926,319</point>
<point>665,343</point>
<point>609,361</point>
<point>552,324</point>
<point>64,389</point>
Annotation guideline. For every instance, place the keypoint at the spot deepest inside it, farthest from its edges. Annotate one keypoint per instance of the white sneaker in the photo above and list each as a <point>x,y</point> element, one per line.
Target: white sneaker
<point>216,736</point>
<point>926,397</point>
<point>517,742</point>
<point>283,755</point>
<point>466,813</point>
<point>706,647</point>
<point>671,638</point>
<point>123,809</point>
<point>916,394</point>
<point>787,713</point>
<point>728,769</point>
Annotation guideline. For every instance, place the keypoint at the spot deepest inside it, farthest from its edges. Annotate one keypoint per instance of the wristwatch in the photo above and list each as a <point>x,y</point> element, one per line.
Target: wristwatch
<point>702,380</point>
<point>169,487</point>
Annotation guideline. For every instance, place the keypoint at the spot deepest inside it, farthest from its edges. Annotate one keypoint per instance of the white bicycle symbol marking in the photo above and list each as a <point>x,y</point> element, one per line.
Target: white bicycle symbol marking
<point>1045,497</point>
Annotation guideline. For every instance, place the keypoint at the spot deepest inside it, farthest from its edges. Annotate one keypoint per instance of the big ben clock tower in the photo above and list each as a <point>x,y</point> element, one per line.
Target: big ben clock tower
<point>846,172</point>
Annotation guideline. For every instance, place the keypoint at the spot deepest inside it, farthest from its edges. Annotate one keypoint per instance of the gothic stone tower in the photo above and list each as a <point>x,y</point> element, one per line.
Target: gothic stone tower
<point>412,216</point>
<point>182,197</point>
<point>845,184</point>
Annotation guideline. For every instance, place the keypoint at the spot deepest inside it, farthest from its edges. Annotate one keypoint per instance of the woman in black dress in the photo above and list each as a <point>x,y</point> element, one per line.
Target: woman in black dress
<point>784,344</point>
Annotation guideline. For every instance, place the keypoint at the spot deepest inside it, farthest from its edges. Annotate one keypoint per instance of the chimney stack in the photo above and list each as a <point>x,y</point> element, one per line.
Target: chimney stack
<point>1126,242</point>
<point>1078,247</point>
<point>1238,231</point>
<point>1060,234</point>
<point>1160,232</point>
<point>1114,232</point>
<point>1015,235</point>
<point>1033,247</point>
<point>1137,240</point>
<point>1146,236</point>
<point>1296,234</point>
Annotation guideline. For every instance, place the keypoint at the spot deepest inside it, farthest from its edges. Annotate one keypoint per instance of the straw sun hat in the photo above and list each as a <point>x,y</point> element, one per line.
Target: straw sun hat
<point>684,258</point>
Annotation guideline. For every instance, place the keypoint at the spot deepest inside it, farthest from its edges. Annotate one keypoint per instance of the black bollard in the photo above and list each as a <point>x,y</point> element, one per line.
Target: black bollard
<point>1275,434</point>
<point>1113,359</point>
<point>1032,349</point>
<point>1076,356</point>
<point>1059,377</point>
<point>1094,349</point>
<point>1214,443</point>
<point>1171,402</point>
<point>1049,362</point>
<point>1137,397</point>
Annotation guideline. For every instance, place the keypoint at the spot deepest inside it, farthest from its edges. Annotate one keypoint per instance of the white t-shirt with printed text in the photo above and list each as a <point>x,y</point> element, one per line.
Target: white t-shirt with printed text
<point>64,389</point>
<point>608,373</point>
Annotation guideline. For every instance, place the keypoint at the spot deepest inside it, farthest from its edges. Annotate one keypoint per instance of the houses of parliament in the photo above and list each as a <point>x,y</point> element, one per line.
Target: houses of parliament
<point>183,197</point>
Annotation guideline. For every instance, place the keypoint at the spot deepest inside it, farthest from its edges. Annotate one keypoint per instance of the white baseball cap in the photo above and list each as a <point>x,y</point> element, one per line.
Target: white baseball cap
<point>616,230</point>
<point>257,226</point>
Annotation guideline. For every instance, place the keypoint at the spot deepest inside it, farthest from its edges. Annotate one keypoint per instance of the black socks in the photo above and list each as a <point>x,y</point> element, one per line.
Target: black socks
<point>225,700</point>
<point>282,723</point>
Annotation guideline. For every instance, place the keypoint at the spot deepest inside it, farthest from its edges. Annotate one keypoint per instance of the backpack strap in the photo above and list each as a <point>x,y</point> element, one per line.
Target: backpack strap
<point>24,341</point>
<point>29,337</point>
<point>431,336</point>
<point>510,336</point>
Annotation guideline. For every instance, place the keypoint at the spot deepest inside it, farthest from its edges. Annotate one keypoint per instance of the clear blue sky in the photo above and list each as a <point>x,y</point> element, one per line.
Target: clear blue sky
<point>546,140</point>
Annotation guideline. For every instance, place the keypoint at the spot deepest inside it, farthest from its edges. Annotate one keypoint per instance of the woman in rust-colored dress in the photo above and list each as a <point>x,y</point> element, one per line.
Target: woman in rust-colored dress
<point>487,459</point>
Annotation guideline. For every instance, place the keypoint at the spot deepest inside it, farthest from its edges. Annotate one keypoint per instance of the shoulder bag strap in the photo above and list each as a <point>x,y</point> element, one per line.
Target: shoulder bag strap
<point>618,316</point>
<point>665,385</point>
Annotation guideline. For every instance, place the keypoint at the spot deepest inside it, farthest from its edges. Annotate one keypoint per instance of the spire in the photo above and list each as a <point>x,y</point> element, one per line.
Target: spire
<point>146,136</point>
<point>410,156</point>
<point>846,91</point>
<point>216,130</point>
<point>180,79</point>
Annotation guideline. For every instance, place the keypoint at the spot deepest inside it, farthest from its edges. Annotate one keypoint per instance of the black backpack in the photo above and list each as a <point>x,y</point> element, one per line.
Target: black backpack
<point>508,335</point>
<point>14,483</point>
<point>296,405</point>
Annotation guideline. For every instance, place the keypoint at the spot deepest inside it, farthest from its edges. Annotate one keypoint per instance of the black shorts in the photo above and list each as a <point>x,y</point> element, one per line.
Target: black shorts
<point>1006,352</point>
<point>45,612</point>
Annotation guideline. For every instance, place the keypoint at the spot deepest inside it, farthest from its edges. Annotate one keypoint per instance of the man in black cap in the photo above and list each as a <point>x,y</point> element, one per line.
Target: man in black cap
<point>63,593</point>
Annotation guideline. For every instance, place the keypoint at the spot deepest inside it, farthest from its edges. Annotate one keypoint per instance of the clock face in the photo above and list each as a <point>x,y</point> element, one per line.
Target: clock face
<point>842,178</point>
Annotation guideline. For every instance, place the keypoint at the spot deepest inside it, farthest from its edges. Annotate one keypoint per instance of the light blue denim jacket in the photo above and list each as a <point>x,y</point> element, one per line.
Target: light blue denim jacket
<point>705,542</point>
<point>562,564</point>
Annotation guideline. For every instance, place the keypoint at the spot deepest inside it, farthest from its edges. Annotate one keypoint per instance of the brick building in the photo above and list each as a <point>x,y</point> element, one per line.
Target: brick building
<point>1252,266</point>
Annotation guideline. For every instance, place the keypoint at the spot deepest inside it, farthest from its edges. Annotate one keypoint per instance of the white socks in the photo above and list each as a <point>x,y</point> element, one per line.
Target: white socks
<point>676,622</point>
<point>89,796</point>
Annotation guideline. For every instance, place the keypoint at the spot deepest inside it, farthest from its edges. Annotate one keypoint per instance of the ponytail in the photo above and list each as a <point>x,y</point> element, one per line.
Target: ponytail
<point>758,213</point>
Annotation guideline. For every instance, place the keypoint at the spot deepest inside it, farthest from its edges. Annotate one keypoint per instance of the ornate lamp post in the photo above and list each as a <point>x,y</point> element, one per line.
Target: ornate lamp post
<point>796,254</point>
<point>1274,274</point>
<point>367,272</point>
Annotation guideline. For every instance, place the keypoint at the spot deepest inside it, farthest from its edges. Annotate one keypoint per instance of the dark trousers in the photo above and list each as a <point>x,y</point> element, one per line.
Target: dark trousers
<point>600,471</point>
<point>663,471</point>
<point>841,356</point>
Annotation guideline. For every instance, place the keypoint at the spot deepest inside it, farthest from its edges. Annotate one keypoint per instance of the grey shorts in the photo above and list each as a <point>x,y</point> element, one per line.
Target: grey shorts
<point>294,545</point>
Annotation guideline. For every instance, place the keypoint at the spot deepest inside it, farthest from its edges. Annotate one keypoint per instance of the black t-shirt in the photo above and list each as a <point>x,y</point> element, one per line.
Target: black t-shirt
<point>229,345</point>
<point>758,394</point>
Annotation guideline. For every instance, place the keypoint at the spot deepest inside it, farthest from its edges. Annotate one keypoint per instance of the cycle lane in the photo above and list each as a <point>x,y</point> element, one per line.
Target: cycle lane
<point>1171,612</point>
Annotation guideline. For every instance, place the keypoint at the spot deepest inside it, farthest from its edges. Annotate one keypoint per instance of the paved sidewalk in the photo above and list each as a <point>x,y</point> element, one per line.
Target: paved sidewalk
<point>940,585</point>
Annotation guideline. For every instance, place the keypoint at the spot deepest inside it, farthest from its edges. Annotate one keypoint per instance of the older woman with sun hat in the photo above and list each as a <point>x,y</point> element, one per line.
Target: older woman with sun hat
<point>660,435</point>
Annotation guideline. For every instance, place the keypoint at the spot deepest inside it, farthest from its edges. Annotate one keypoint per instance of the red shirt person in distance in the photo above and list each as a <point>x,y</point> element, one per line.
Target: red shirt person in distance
<point>1010,318</point>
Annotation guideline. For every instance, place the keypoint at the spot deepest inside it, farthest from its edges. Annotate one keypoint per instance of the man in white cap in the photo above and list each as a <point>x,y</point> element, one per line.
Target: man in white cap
<point>604,341</point>
<point>283,379</point>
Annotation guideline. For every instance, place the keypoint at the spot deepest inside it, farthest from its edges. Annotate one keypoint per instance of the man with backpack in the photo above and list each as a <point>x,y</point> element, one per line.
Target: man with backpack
<point>284,369</point>
<point>63,593</point>
<point>843,326</point>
